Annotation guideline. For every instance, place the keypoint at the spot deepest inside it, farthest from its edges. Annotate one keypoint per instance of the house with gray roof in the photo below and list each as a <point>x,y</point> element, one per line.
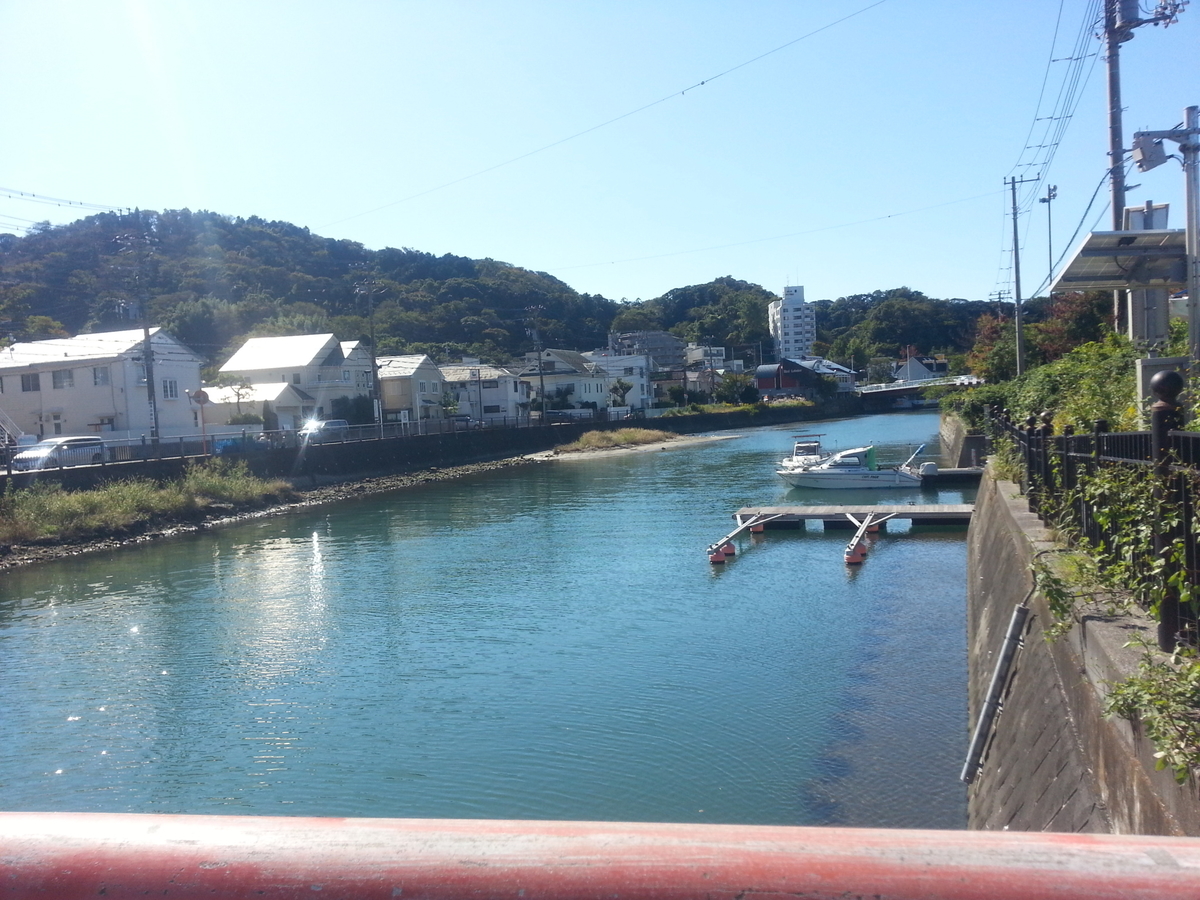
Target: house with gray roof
<point>96,384</point>
<point>318,364</point>
<point>410,388</point>
<point>569,379</point>
<point>491,394</point>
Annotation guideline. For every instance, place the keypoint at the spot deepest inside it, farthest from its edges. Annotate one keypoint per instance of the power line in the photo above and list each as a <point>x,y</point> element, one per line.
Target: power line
<point>1083,218</point>
<point>774,237</point>
<point>671,96</point>
<point>14,194</point>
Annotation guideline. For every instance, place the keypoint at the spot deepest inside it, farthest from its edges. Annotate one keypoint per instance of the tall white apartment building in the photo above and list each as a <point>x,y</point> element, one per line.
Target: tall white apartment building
<point>793,324</point>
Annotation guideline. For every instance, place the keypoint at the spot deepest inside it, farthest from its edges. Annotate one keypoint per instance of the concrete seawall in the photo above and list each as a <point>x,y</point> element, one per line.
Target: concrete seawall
<point>1052,761</point>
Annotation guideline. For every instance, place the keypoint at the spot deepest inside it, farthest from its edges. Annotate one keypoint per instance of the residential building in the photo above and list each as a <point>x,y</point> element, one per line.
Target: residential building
<point>664,349</point>
<point>801,377</point>
<point>570,380</point>
<point>634,369</point>
<point>318,364</point>
<point>921,368</point>
<point>281,406</point>
<point>488,393</point>
<point>793,324</point>
<point>410,388</point>
<point>96,384</point>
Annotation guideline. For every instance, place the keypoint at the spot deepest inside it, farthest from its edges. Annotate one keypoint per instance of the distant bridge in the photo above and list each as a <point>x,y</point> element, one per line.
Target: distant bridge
<point>904,387</point>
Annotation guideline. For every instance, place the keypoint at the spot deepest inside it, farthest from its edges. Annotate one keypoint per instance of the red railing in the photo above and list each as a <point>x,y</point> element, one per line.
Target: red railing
<point>65,855</point>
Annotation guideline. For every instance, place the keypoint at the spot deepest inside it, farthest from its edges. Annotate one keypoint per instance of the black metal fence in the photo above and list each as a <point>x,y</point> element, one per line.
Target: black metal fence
<point>1162,478</point>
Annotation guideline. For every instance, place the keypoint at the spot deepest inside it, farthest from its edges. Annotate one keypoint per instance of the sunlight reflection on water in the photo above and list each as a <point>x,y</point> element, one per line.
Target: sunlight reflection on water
<point>547,642</point>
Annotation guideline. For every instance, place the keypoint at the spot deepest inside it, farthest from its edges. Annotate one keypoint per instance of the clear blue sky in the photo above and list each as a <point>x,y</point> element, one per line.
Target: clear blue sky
<point>869,154</point>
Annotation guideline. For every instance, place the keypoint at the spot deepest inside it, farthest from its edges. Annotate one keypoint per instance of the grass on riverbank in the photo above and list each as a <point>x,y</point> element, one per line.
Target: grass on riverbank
<point>621,437</point>
<point>46,512</point>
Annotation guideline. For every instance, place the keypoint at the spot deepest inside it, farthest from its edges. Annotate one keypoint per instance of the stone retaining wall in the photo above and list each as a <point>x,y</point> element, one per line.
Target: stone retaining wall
<point>1053,762</point>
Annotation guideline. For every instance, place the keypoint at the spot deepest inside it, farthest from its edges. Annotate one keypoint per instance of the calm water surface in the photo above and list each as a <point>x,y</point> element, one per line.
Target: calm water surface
<point>546,643</point>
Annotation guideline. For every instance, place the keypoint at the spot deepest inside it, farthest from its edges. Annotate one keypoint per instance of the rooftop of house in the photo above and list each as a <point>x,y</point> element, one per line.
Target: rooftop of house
<point>81,348</point>
<point>295,351</point>
<point>256,393</point>
<point>572,359</point>
<point>466,373</point>
<point>401,366</point>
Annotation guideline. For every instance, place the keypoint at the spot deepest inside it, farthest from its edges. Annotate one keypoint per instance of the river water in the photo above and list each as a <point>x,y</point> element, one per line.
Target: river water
<point>548,642</point>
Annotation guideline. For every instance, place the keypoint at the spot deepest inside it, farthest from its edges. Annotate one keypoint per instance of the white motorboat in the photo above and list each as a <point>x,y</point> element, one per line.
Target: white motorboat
<point>854,469</point>
<point>805,453</point>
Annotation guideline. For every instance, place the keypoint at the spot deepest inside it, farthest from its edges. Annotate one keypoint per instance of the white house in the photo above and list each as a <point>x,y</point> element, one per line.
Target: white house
<point>568,377</point>
<point>793,324</point>
<point>280,405</point>
<point>920,368</point>
<point>488,393</point>
<point>96,384</point>
<point>318,364</point>
<point>410,388</point>
<point>633,369</point>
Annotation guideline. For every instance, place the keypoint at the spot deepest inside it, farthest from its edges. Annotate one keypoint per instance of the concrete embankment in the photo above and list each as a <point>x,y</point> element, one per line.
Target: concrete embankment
<point>1052,761</point>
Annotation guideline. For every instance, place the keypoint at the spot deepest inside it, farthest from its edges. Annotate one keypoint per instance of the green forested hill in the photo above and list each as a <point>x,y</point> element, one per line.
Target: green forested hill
<point>214,280</point>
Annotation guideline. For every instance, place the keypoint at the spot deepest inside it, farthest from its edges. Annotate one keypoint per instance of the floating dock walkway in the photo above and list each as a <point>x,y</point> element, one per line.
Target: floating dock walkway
<point>844,516</point>
<point>861,519</point>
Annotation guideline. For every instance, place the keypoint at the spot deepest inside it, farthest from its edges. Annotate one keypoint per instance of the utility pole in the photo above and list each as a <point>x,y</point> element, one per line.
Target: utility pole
<point>1051,195</point>
<point>1148,153</point>
<point>537,344</point>
<point>136,244</point>
<point>1013,182</point>
<point>1120,18</point>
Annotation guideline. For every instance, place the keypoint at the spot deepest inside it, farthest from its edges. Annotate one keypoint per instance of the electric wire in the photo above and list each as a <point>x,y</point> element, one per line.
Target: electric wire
<point>1083,218</point>
<point>671,96</point>
<point>14,194</point>
<point>776,237</point>
<point>1037,155</point>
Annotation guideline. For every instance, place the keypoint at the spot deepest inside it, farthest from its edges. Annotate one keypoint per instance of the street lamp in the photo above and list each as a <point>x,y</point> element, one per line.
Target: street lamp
<point>1051,195</point>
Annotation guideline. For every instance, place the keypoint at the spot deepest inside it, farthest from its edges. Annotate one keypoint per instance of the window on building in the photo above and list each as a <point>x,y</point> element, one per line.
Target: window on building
<point>31,382</point>
<point>56,419</point>
<point>1,385</point>
<point>423,387</point>
<point>345,374</point>
<point>141,373</point>
<point>491,384</point>
<point>100,376</point>
<point>295,378</point>
<point>170,389</point>
<point>491,409</point>
<point>108,423</point>
<point>62,378</point>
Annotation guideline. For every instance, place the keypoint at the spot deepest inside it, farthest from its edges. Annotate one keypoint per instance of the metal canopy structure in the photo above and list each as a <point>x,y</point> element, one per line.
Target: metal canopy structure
<point>1127,260</point>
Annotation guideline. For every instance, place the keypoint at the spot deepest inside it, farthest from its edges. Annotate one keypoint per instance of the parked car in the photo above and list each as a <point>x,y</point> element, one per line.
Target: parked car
<point>321,431</point>
<point>462,420</point>
<point>61,451</point>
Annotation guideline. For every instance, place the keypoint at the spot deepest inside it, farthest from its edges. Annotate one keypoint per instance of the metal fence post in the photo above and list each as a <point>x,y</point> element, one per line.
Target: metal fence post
<point>1029,432</point>
<point>1164,418</point>
<point>1046,433</point>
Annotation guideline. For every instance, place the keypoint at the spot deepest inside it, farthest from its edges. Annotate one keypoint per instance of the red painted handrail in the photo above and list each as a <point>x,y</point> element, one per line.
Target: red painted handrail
<point>65,855</point>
